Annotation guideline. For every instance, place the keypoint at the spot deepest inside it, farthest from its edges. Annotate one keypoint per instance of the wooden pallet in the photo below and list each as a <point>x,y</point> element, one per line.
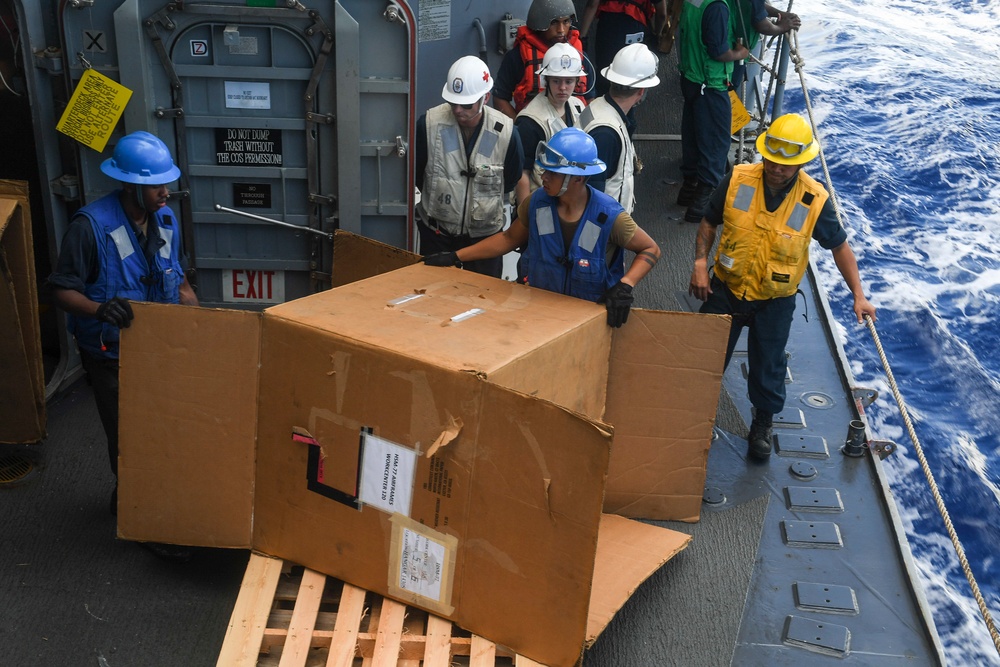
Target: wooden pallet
<point>290,616</point>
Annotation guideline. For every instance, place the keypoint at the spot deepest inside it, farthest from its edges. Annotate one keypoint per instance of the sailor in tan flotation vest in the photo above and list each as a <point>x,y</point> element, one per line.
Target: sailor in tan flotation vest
<point>609,120</point>
<point>547,114</point>
<point>769,212</point>
<point>468,157</point>
<point>549,22</point>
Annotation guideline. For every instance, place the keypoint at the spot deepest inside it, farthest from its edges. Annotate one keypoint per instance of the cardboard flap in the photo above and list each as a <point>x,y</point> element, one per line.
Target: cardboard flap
<point>663,391</point>
<point>22,392</point>
<point>628,552</point>
<point>357,257</point>
<point>535,529</point>
<point>187,425</point>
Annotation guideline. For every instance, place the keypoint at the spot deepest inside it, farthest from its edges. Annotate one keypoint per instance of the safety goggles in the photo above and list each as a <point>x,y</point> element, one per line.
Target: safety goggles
<point>550,158</point>
<point>566,63</point>
<point>784,147</point>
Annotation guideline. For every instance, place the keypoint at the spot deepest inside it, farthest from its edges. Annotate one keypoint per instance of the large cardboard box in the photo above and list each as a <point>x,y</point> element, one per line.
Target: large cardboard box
<point>22,387</point>
<point>428,434</point>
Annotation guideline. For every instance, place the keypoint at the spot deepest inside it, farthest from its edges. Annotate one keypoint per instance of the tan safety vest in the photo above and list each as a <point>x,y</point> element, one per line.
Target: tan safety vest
<point>600,113</point>
<point>541,111</point>
<point>763,255</point>
<point>465,196</point>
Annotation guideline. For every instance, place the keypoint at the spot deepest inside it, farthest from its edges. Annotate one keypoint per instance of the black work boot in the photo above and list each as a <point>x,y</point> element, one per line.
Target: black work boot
<point>685,196</point>
<point>759,440</point>
<point>699,203</point>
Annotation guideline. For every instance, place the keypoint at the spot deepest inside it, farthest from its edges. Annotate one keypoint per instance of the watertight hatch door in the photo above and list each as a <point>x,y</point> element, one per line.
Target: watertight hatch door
<point>279,111</point>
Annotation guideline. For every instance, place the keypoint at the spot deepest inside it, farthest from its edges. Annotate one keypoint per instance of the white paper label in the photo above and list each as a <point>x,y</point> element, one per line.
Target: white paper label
<point>726,261</point>
<point>248,95</point>
<point>421,565</point>
<point>387,473</point>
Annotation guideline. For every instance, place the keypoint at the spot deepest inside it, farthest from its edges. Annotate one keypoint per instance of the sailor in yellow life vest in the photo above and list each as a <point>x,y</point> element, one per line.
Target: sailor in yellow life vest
<point>769,212</point>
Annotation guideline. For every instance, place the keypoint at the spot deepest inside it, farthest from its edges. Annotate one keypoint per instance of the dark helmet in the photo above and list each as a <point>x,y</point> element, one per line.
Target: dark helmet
<point>544,12</point>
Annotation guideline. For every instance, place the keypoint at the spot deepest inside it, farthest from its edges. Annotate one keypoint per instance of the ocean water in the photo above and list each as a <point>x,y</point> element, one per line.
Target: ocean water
<point>907,98</point>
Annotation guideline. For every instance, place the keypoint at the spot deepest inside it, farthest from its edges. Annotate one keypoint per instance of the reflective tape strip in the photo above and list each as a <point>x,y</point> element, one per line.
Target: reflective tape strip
<point>123,242</point>
<point>168,236</point>
<point>544,221</point>
<point>744,197</point>
<point>588,237</point>
<point>798,217</point>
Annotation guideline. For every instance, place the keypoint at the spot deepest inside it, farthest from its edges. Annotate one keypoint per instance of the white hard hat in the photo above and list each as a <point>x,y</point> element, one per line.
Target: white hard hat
<point>468,80</point>
<point>560,60</point>
<point>634,66</point>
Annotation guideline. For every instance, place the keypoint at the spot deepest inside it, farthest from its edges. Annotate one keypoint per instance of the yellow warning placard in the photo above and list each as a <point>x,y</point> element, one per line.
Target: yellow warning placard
<point>94,110</point>
<point>740,114</point>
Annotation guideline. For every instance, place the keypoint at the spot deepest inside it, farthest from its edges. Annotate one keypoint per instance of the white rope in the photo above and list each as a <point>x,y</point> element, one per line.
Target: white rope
<point>938,500</point>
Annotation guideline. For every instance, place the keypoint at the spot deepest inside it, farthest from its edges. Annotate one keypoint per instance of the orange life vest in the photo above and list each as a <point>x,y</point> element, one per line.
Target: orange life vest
<point>641,10</point>
<point>532,50</point>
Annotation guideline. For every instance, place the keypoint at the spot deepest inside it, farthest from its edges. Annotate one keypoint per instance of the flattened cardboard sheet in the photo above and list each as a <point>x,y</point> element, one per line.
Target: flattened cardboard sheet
<point>663,393</point>
<point>22,391</point>
<point>628,552</point>
<point>187,425</point>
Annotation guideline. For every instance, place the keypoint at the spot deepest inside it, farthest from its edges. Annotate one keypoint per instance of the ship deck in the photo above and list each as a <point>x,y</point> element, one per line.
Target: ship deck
<point>795,561</point>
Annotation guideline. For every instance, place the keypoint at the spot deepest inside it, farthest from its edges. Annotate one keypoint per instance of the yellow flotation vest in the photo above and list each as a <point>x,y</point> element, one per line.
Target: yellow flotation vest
<point>763,255</point>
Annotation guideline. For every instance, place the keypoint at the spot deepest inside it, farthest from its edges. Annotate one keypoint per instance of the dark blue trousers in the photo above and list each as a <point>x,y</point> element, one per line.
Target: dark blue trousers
<point>769,323</point>
<point>102,374</point>
<point>705,137</point>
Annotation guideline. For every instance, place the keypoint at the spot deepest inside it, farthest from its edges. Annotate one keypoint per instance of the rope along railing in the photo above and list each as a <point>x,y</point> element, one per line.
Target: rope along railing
<point>934,488</point>
<point>796,58</point>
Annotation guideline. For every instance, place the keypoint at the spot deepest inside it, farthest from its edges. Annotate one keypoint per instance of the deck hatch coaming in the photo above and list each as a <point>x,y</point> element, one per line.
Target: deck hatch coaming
<point>817,636</point>
<point>829,598</point>
<point>812,534</point>
<point>813,499</point>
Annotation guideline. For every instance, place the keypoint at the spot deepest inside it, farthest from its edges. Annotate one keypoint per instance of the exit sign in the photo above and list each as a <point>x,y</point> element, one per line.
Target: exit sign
<point>253,286</point>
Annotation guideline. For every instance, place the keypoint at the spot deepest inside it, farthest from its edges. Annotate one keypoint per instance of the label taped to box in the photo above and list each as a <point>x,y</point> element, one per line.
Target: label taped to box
<point>421,565</point>
<point>387,474</point>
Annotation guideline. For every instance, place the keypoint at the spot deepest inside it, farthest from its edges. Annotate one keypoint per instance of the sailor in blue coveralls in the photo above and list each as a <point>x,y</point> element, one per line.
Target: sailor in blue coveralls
<point>126,246</point>
<point>575,235</point>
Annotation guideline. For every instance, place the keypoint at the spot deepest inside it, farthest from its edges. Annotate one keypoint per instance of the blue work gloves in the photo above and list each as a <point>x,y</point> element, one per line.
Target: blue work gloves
<point>117,312</point>
<point>618,300</point>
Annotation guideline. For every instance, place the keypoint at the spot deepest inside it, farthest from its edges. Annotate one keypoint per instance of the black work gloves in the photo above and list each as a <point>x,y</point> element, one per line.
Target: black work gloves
<point>117,312</point>
<point>449,258</point>
<point>618,300</point>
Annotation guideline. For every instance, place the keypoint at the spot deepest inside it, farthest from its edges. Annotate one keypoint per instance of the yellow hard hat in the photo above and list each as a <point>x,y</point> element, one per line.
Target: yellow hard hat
<point>789,140</point>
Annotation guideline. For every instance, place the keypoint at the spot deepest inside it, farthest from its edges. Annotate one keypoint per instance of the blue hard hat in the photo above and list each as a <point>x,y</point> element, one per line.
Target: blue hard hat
<point>143,159</point>
<point>569,151</point>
